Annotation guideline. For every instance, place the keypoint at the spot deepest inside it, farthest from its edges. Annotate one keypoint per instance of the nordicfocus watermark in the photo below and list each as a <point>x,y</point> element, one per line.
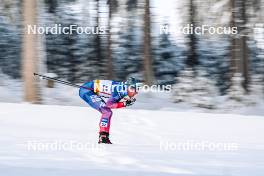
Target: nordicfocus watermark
<point>139,87</point>
<point>67,30</point>
<point>198,146</point>
<point>199,30</point>
<point>155,88</point>
<point>45,146</point>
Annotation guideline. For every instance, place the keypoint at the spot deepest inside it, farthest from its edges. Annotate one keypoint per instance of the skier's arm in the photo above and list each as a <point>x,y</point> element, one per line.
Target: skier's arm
<point>114,104</point>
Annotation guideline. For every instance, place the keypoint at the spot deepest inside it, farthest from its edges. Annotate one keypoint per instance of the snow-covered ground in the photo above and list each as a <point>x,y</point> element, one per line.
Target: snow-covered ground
<point>61,141</point>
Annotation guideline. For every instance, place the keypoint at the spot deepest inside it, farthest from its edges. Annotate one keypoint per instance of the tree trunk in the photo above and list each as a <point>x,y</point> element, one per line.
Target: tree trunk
<point>110,72</point>
<point>30,53</point>
<point>98,43</point>
<point>148,72</point>
<point>233,65</point>
<point>192,56</point>
<point>239,49</point>
<point>244,47</point>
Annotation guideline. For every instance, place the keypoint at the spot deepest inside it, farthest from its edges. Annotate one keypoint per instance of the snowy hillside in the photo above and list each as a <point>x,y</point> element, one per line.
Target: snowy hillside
<point>35,140</point>
<point>11,91</point>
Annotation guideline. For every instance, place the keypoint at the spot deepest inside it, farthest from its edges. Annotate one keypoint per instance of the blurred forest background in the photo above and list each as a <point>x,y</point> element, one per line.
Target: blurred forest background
<point>200,67</point>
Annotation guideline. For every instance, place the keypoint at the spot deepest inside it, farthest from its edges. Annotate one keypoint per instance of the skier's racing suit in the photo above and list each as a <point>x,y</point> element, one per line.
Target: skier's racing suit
<point>104,95</point>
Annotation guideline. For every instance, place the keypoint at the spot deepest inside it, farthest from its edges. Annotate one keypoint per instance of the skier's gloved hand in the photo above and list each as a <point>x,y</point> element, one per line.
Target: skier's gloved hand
<point>129,102</point>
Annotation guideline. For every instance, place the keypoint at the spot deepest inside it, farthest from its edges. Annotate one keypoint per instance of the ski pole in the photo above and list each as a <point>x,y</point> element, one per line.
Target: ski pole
<point>57,80</point>
<point>64,82</point>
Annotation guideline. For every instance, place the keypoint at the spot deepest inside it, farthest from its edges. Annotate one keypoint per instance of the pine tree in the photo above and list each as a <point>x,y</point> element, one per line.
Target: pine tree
<point>195,89</point>
<point>67,53</point>
<point>183,88</point>
<point>216,65</point>
<point>256,88</point>
<point>127,54</point>
<point>10,38</point>
<point>236,94</point>
<point>167,63</point>
<point>205,92</point>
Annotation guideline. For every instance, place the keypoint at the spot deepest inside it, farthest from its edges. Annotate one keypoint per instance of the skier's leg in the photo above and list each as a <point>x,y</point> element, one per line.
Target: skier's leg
<point>98,103</point>
<point>105,121</point>
<point>104,125</point>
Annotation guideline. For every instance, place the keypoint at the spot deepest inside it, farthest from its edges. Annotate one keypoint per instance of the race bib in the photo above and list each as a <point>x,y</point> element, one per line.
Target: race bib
<point>104,122</point>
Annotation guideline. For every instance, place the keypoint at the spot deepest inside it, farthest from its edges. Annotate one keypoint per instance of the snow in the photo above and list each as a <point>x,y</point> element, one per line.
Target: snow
<point>144,142</point>
<point>219,5</point>
<point>10,89</point>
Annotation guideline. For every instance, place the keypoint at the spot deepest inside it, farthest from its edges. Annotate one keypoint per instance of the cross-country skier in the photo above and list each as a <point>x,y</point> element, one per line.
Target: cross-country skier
<point>104,95</point>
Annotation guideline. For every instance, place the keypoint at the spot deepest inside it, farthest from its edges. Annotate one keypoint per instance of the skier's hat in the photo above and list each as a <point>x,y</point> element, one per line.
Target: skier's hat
<point>133,83</point>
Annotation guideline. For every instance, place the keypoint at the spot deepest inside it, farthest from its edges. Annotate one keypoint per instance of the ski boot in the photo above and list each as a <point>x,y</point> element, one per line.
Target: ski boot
<point>104,138</point>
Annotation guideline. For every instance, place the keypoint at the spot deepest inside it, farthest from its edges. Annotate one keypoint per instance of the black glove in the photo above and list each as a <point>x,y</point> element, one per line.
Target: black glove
<point>129,102</point>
